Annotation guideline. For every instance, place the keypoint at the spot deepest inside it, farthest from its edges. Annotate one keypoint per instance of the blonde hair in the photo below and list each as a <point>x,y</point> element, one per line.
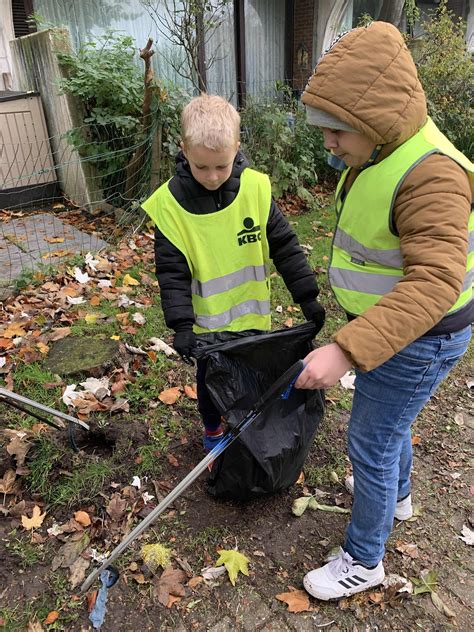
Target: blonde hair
<point>210,121</point>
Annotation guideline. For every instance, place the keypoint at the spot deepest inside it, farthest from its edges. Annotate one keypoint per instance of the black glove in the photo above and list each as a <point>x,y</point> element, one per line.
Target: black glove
<point>184,342</point>
<point>314,311</point>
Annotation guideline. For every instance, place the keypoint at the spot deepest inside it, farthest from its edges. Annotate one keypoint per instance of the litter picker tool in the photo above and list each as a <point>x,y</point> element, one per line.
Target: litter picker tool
<point>18,401</point>
<point>280,388</point>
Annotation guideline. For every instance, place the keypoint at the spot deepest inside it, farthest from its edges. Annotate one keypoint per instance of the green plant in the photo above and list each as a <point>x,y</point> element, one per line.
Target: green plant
<point>278,140</point>
<point>446,73</point>
<point>104,76</point>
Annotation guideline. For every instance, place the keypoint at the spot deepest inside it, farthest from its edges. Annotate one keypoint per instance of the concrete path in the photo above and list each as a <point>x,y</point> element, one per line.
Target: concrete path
<point>32,240</point>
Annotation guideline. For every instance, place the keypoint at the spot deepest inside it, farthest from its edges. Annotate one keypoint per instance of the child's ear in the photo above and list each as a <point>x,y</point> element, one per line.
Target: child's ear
<point>183,149</point>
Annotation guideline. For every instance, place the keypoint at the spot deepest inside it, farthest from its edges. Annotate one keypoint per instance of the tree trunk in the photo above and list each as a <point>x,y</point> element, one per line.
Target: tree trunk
<point>137,161</point>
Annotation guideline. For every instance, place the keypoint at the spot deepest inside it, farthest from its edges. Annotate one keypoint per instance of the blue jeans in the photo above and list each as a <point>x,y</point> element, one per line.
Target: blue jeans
<point>386,402</point>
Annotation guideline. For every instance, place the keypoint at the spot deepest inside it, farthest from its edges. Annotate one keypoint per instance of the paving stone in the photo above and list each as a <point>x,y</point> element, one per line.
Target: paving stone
<point>24,243</point>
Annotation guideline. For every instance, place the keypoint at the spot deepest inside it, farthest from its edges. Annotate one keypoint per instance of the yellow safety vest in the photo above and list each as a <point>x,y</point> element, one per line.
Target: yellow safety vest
<point>227,253</point>
<point>366,261</point>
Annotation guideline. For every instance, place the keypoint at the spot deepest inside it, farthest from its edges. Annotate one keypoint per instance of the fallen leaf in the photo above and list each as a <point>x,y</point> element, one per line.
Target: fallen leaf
<point>69,552</point>
<point>14,330</point>
<point>129,280</point>
<point>51,618</point>
<point>288,323</point>
<point>172,460</point>
<point>415,440</point>
<point>195,581</point>
<point>82,517</point>
<point>234,562</point>
<point>78,571</point>
<point>297,600</point>
<point>54,240</point>
<point>91,599</point>
<point>170,395</point>
<point>467,535</point>
<point>169,584</point>
<point>34,626</point>
<point>411,550</point>
<point>211,573</point>
<point>18,447</point>
<point>190,391</point>
<point>441,606</point>
<point>35,521</point>
<point>116,507</point>
<point>160,345</point>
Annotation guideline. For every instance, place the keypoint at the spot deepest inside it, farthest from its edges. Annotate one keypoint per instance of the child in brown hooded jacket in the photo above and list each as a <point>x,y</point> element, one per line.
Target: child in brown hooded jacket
<point>401,267</point>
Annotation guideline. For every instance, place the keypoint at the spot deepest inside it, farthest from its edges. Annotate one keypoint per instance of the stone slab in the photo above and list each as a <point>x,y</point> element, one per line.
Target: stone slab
<point>24,243</point>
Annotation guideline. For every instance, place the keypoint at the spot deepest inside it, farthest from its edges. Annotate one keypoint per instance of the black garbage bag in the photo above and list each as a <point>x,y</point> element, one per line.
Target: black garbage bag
<point>269,455</point>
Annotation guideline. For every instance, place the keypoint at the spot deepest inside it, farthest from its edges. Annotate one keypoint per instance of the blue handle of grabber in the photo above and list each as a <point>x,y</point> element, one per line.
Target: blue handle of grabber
<point>287,392</point>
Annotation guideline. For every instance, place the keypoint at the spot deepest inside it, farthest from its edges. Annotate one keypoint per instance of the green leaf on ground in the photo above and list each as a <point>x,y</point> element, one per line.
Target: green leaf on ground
<point>301,504</point>
<point>234,562</point>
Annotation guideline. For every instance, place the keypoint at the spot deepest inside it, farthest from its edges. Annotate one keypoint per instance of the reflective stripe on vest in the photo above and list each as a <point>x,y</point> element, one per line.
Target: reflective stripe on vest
<point>366,261</point>
<point>227,253</point>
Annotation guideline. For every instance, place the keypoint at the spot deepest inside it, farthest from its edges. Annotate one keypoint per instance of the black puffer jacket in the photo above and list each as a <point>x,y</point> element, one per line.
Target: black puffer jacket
<point>172,268</point>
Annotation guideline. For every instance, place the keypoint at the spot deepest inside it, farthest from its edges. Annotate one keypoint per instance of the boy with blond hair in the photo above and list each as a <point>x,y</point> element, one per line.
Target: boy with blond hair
<point>217,229</point>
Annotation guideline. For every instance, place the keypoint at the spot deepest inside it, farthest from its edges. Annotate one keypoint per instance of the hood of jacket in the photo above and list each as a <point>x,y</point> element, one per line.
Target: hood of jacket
<point>368,80</point>
<point>197,199</point>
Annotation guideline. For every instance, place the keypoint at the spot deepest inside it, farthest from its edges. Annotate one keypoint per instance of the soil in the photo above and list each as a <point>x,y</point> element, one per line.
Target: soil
<point>280,546</point>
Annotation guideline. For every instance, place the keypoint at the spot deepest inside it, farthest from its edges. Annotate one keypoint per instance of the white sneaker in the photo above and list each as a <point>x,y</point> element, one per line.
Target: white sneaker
<point>403,509</point>
<point>342,577</point>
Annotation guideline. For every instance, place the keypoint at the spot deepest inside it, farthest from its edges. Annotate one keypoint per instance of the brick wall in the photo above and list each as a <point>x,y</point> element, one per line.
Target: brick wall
<point>302,42</point>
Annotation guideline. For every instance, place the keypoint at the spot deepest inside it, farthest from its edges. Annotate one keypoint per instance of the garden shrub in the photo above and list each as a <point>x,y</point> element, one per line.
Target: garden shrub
<point>278,140</point>
<point>104,76</point>
<point>446,72</point>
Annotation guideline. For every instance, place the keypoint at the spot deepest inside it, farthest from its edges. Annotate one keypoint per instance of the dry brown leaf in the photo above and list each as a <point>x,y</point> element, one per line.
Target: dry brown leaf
<point>170,395</point>
<point>288,323</point>
<point>35,521</point>
<point>195,581</point>
<point>51,618</point>
<point>8,482</point>
<point>116,507</point>
<point>411,550</point>
<point>78,571</point>
<point>5,343</point>
<point>297,600</point>
<point>14,330</point>
<point>69,552</point>
<point>34,626</point>
<point>416,440</point>
<point>172,460</point>
<point>42,348</point>
<point>54,240</point>
<point>83,518</point>
<point>95,300</point>
<point>18,447</point>
<point>190,391</point>
<point>169,584</point>
<point>91,599</point>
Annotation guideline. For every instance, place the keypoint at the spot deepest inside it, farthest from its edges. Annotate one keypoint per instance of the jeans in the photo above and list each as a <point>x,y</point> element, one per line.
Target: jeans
<point>386,402</point>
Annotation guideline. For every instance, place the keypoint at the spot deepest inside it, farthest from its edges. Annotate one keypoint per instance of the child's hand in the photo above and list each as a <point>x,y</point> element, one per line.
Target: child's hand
<point>314,311</point>
<point>324,367</point>
<point>184,343</point>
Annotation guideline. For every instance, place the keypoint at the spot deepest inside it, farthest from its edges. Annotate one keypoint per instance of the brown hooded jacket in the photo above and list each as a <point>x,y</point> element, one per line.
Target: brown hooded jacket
<point>369,81</point>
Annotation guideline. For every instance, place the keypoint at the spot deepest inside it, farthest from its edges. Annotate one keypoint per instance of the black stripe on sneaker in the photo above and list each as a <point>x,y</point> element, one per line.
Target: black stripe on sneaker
<point>344,584</point>
<point>363,581</point>
<point>352,581</point>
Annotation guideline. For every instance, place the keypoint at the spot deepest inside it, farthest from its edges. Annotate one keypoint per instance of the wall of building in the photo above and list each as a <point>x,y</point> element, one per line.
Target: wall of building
<point>303,60</point>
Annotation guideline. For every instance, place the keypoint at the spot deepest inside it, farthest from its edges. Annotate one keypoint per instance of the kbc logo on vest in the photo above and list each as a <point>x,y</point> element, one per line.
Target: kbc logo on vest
<point>250,234</point>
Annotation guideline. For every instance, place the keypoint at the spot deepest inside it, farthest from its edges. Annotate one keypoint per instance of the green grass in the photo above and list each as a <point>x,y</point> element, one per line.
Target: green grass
<point>84,484</point>
<point>27,554</point>
<point>29,381</point>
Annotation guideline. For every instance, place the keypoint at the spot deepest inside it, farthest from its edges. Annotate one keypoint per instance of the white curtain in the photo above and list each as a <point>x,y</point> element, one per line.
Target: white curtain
<point>265,45</point>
